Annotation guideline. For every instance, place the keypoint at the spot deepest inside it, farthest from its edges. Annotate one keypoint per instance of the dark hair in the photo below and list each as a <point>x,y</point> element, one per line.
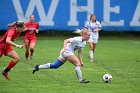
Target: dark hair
<point>17,24</point>
<point>91,17</point>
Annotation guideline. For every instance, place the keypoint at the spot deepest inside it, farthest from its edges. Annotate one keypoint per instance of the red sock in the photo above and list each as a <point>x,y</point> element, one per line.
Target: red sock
<point>11,64</point>
<point>26,54</point>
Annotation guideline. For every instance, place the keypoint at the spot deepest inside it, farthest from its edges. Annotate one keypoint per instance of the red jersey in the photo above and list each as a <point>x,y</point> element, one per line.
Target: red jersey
<point>31,32</point>
<point>10,33</point>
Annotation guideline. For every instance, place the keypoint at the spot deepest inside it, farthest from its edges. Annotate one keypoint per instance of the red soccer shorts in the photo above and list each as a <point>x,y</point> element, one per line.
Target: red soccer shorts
<point>5,49</point>
<point>29,39</point>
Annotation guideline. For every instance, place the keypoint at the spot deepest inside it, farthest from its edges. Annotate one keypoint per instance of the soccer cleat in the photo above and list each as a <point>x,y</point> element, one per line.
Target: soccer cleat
<point>84,81</point>
<point>36,69</point>
<point>5,75</point>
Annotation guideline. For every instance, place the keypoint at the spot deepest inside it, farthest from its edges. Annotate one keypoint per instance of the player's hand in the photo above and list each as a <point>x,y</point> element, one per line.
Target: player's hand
<point>19,46</point>
<point>96,30</point>
<point>63,50</point>
<point>36,30</point>
<point>82,64</point>
<point>25,28</point>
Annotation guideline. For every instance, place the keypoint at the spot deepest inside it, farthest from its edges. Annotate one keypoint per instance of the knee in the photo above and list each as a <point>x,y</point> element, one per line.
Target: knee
<point>78,64</point>
<point>17,59</point>
<point>31,48</point>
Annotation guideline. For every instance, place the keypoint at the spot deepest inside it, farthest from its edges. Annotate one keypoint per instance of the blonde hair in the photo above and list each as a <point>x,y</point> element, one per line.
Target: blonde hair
<point>17,24</point>
<point>81,31</point>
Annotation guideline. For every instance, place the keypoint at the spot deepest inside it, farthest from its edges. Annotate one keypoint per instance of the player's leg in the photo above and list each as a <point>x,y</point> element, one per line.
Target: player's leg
<point>94,46</point>
<point>59,62</point>
<point>12,63</point>
<point>74,60</point>
<point>32,46</point>
<point>91,51</point>
<point>95,41</point>
<point>27,49</point>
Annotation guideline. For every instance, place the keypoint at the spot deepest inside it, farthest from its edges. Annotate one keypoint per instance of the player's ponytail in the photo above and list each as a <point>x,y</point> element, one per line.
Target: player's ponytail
<point>20,24</point>
<point>91,17</point>
<point>84,31</point>
<point>16,24</point>
<point>81,31</point>
<point>12,25</point>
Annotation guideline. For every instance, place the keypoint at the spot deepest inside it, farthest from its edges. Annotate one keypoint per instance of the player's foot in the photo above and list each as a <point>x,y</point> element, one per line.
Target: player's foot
<point>5,75</point>
<point>26,59</point>
<point>84,81</point>
<point>36,68</point>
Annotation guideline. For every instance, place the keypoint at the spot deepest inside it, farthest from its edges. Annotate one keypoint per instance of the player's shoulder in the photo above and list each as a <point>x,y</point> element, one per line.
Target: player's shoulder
<point>36,23</point>
<point>27,23</point>
<point>78,38</point>
<point>87,22</point>
<point>12,30</point>
<point>97,22</point>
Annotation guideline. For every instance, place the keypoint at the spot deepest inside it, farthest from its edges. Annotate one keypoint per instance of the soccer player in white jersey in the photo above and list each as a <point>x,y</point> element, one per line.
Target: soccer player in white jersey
<point>94,27</point>
<point>67,53</point>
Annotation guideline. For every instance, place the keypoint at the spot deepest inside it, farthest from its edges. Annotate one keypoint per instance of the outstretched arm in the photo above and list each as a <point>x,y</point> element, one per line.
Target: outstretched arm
<point>80,57</point>
<point>37,29</point>
<point>8,40</point>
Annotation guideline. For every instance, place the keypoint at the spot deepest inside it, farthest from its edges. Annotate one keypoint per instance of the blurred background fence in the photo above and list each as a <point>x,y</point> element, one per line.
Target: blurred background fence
<point>68,15</point>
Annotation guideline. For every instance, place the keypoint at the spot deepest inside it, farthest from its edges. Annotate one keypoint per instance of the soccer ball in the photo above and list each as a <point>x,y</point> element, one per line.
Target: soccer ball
<point>107,78</point>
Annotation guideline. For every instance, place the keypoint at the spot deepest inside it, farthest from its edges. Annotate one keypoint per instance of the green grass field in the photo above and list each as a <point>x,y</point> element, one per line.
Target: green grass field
<point>118,56</point>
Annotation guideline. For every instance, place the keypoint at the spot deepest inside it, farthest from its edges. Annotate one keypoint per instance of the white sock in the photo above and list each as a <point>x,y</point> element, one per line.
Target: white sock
<point>45,66</point>
<point>78,73</point>
<point>91,54</point>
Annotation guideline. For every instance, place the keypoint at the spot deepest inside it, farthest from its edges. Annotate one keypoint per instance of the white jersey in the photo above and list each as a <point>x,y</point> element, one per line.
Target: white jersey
<point>75,43</point>
<point>91,26</point>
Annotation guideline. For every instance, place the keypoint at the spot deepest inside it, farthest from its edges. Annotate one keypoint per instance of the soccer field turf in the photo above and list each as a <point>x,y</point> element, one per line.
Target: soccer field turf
<point>118,56</point>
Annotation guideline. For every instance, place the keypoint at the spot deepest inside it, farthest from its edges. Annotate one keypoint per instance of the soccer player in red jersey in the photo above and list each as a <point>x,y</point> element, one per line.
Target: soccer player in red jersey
<point>7,41</point>
<point>31,29</point>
